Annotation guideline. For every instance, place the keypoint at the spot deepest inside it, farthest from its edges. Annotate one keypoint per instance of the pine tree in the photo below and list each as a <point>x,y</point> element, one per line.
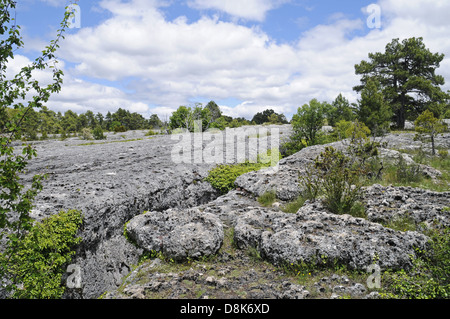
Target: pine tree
<point>407,75</point>
<point>373,109</point>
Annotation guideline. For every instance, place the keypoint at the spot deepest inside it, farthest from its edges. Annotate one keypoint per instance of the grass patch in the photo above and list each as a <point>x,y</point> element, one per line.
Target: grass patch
<point>401,223</point>
<point>401,174</point>
<point>110,142</point>
<point>267,199</point>
<point>294,206</point>
<point>259,135</point>
<point>223,177</point>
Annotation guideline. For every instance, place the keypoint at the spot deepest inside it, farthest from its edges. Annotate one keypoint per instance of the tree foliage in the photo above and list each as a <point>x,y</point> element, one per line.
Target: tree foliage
<point>16,201</point>
<point>373,109</point>
<point>37,266</point>
<point>269,116</point>
<point>407,75</point>
<point>308,121</point>
<point>339,110</point>
<point>427,124</point>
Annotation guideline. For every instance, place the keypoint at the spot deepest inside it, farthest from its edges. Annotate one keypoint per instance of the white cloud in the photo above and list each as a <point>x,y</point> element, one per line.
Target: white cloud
<point>173,62</point>
<point>54,3</point>
<point>81,96</point>
<point>431,12</point>
<point>76,94</point>
<point>249,9</point>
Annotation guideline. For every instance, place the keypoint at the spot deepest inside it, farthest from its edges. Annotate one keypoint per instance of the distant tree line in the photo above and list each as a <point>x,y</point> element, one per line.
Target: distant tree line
<point>211,116</point>
<point>47,122</point>
<point>396,86</point>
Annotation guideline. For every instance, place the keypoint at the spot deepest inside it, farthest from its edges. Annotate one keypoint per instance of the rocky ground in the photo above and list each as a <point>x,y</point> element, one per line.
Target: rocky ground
<point>113,180</point>
<point>220,246</point>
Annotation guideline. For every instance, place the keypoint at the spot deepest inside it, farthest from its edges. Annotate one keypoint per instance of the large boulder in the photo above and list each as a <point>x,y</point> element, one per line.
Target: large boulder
<point>314,235</point>
<point>178,234</point>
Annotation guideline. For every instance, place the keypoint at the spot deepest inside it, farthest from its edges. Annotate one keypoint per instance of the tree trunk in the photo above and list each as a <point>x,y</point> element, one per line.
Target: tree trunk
<point>433,150</point>
<point>401,118</point>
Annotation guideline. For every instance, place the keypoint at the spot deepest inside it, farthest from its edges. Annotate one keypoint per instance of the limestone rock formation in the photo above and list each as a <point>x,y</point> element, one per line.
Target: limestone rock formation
<point>178,234</point>
<point>314,235</point>
<point>114,183</point>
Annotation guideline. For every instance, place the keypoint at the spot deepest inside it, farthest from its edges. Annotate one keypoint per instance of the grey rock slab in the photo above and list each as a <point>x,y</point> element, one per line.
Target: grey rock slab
<point>179,234</point>
<point>314,235</point>
<point>385,204</point>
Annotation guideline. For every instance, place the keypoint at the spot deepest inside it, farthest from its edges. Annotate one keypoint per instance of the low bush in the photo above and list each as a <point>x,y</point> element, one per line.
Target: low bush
<point>38,264</point>
<point>334,177</point>
<point>86,134</point>
<point>98,133</point>
<point>119,129</point>
<point>294,206</point>
<point>151,133</point>
<point>222,177</point>
<point>407,173</point>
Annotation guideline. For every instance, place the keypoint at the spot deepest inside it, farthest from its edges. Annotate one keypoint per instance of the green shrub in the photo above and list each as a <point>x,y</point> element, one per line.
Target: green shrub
<point>293,145</point>
<point>44,136</point>
<point>151,133</point>
<point>429,277</point>
<point>337,179</point>
<point>86,134</point>
<point>223,177</point>
<point>402,173</point>
<point>340,181</point>
<point>294,206</point>
<point>343,129</point>
<point>37,266</point>
<point>408,173</point>
<point>63,135</point>
<point>98,133</point>
<point>119,129</point>
<point>443,154</point>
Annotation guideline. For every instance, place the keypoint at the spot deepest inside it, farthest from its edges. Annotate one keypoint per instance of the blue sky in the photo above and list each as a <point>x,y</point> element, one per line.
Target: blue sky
<point>152,56</point>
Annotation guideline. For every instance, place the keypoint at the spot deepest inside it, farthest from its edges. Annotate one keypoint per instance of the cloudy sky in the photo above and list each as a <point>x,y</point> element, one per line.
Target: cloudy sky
<point>151,56</point>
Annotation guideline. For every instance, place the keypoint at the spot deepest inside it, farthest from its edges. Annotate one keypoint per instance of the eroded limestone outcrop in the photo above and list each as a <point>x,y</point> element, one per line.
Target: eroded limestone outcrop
<point>113,184</point>
<point>178,234</point>
<point>313,235</point>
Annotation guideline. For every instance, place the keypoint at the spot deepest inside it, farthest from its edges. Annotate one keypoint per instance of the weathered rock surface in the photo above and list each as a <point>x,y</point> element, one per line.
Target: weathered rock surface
<point>114,183</point>
<point>314,235</point>
<point>405,141</point>
<point>178,234</point>
<point>386,204</point>
<point>226,279</point>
